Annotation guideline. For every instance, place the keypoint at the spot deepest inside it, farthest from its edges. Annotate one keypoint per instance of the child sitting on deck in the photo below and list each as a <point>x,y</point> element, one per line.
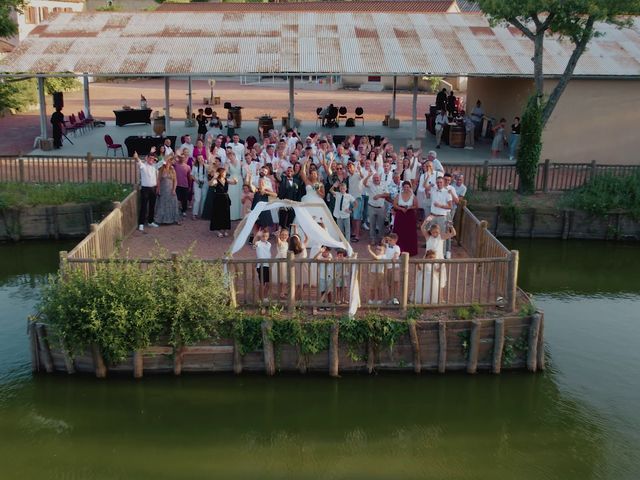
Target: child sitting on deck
<point>376,271</point>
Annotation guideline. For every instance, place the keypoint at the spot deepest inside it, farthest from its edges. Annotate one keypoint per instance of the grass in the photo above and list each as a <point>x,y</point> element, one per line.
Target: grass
<point>19,195</point>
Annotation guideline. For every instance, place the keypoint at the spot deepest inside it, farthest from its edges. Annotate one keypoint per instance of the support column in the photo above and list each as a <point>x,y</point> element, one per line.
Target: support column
<point>87,102</point>
<point>167,115</point>
<point>414,109</point>
<point>292,113</point>
<point>190,98</point>
<point>43,108</point>
<point>393,97</point>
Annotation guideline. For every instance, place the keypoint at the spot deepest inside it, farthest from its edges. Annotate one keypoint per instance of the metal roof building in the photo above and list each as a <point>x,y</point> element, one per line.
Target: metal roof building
<point>392,38</point>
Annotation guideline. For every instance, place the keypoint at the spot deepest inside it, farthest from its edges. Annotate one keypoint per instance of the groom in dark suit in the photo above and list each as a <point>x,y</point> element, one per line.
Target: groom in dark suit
<point>289,190</point>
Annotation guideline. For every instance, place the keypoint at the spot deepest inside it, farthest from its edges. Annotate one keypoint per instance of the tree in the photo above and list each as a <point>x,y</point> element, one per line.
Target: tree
<point>576,20</point>
<point>8,27</point>
<point>530,145</point>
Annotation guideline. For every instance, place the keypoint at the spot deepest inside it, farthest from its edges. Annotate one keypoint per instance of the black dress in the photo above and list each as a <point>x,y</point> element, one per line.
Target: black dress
<point>57,121</point>
<point>202,124</point>
<point>264,219</point>
<point>220,214</point>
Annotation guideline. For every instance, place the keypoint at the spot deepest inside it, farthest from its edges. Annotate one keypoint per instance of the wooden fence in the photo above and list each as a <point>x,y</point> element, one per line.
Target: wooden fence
<point>46,169</point>
<point>103,239</point>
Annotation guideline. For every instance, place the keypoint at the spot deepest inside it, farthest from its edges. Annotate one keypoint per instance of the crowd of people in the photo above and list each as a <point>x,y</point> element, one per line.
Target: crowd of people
<point>365,186</point>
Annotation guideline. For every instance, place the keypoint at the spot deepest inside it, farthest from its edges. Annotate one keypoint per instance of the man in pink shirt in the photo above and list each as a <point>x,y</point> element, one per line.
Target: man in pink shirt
<point>182,181</point>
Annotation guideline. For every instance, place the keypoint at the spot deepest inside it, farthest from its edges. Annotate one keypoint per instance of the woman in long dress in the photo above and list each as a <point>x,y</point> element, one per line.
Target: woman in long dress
<point>435,242</point>
<point>299,249</point>
<point>404,223</point>
<point>220,218</point>
<point>427,285</point>
<point>235,188</point>
<point>499,138</point>
<point>200,185</point>
<point>167,211</point>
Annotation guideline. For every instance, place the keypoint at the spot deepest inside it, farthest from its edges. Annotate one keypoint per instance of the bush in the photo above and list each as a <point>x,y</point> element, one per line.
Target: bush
<point>122,308</point>
<point>605,193</point>
<point>530,146</point>
<point>18,94</point>
<point>19,195</point>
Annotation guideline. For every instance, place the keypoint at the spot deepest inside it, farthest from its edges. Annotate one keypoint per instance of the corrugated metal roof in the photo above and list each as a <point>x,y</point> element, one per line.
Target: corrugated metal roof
<point>181,43</point>
<point>379,6</point>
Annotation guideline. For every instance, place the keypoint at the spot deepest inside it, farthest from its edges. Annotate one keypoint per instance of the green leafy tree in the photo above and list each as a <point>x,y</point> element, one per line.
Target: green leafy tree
<point>575,20</point>
<point>530,145</point>
<point>8,28</point>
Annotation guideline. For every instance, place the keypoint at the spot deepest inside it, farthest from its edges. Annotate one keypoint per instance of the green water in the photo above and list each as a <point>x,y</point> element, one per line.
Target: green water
<point>579,420</point>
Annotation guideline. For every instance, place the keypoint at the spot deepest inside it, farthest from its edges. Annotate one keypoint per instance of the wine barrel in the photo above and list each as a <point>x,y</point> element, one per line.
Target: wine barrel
<point>266,123</point>
<point>237,115</point>
<point>456,136</point>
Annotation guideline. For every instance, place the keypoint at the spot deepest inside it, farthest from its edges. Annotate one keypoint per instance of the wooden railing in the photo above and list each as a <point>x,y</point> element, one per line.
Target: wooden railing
<point>102,241</point>
<point>45,169</point>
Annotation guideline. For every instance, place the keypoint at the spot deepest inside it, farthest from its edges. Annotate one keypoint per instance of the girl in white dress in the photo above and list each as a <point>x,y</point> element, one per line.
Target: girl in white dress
<point>282,247</point>
<point>435,241</point>
<point>427,289</point>
<point>299,249</point>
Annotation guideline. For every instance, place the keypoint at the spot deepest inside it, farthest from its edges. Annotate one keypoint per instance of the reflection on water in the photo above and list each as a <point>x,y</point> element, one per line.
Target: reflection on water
<point>577,421</point>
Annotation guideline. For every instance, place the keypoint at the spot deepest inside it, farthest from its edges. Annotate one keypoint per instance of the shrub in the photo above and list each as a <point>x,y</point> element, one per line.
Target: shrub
<point>530,146</point>
<point>605,193</point>
<point>19,195</point>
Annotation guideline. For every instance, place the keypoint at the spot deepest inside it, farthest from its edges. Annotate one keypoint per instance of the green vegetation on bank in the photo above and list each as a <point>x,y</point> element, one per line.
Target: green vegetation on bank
<point>20,195</point>
<point>607,193</point>
<point>20,94</point>
<point>121,307</point>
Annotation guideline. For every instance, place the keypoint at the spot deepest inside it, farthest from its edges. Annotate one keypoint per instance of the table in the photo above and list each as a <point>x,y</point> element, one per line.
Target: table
<point>124,117</point>
<point>143,145</point>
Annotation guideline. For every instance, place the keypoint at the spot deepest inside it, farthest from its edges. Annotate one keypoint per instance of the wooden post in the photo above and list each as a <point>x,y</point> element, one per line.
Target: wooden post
<point>415,346</point>
<point>404,275</point>
<point>532,228</point>
<point>442,347</point>
<point>512,280</point>
<point>267,343</point>
<point>302,364</point>
<point>498,345</point>
<point>33,344</point>
<point>233,294</point>
<point>534,332</point>
<point>68,360</point>
<point>334,352</point>
<point>138,364</point>
<point>21,170</point>
<point>63,255</point>
<point>485,174</point>
<point>98,362</point>
<point>371,356</point>
<point>94,228</point>
<point>177,360</point>
<point>593,171</point>
<point>496,221</point>
<point>43,345</point>
<point>545,176</point>
<point>541,361</point>
<point>89,167</point>
<point>460,217</point>
<point>481,238</point>
<point>291,269</point>
<point>474,346</point>
<point>237,358</point>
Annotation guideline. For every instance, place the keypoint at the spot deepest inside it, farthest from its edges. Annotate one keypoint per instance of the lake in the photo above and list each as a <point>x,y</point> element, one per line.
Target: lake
<point>578,420</point>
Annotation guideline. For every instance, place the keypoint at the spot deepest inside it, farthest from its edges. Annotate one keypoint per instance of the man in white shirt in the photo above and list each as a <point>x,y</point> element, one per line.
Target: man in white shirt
<point>441,204</point>
<point>437,164</point>
<point>378,193</point>
<point>237,147</point>
<point>187,144</point>
<point>441,121</point>
<point>167,147</point>
<point>148,182</point>
<point>344,205</point>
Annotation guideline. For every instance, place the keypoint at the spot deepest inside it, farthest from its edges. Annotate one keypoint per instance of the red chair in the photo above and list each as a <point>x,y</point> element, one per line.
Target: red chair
<point>87,122</point>
<point>72,125</point>
<point>113,146</point>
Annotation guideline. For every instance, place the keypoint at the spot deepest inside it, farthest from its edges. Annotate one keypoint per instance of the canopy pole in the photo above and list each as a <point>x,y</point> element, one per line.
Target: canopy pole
<point>414,110</point>
<point>43,109</point>
<point>292,115</point>
<point>393,98</point>
<point>167,115</point>
<point>189,100</point>
<point>87,102</point>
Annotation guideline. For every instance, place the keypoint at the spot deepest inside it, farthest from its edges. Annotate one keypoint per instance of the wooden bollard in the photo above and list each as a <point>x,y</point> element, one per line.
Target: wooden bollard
<point>371,356</point>
<point>334,351</point>
<point>43,345</point>
<point>138,364</point>
<point>541,361</point>
<point>532,353</point>
<point>474,347</point>
<point>268,350</point>
<point>302,363</point>
<point>68,361</point>
<point>237,358</point>
<point>498,345</point>
<point>177,360</point>
<point>98,362</point>
<point>442,347</point>
<point>33,343</point>
<point>415,346</point>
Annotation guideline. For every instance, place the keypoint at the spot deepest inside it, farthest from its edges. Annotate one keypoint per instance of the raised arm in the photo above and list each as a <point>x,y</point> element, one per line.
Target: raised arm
<point>451,232</point>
